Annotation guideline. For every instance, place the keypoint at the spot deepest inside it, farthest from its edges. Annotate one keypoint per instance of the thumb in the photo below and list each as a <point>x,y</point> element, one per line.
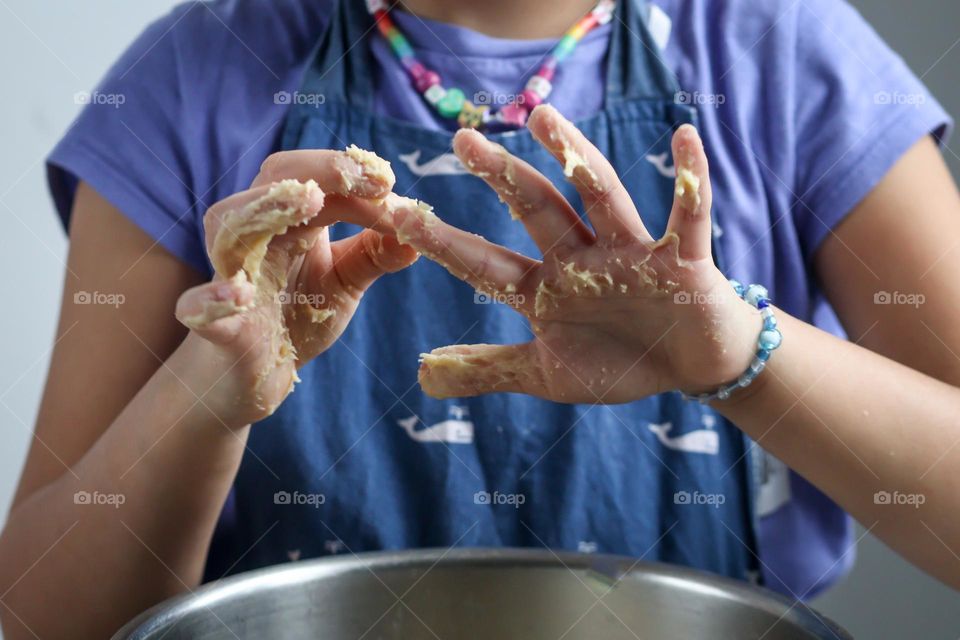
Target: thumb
<point>359,260</point>
<point>462,371</point>
<point>690,217</point>
<point>215,310</point>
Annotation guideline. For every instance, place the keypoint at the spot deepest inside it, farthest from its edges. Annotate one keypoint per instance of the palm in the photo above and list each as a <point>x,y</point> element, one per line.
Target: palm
<point>616,316</point>
<point>608,329</point>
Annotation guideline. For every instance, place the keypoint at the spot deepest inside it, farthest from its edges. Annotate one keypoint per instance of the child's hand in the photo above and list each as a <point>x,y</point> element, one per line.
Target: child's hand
<point>616,316</point>
<point>283,293</point>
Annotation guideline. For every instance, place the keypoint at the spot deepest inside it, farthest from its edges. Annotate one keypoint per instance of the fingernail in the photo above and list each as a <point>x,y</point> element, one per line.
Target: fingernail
<point>548,111</point>
<point>409,217</point>
<point>473,156</point>
<point>364,173</point>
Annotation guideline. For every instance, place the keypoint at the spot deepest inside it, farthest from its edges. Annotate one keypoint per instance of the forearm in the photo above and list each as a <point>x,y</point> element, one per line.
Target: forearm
<point>855,423</point>
<point>171,462</point>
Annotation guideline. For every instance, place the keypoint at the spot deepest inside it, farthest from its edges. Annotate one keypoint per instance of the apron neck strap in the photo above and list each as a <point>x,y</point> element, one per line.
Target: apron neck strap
<point>343,64</point>
<point>635,69</point>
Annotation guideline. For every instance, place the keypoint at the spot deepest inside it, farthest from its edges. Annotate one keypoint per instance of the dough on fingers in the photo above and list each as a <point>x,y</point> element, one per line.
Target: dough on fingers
<point>244,235</point>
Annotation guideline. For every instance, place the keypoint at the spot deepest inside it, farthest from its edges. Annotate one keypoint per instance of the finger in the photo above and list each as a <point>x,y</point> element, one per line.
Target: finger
<point>359,260</point>
<point>241,234</point>
<point>353,172</point>
<point>531,197</point>
<point>372,214</point>
<point>693,196</point>
<point>215,310</point>
<point>489,267</point>
<point>607,203</point>
<point>464,371</point>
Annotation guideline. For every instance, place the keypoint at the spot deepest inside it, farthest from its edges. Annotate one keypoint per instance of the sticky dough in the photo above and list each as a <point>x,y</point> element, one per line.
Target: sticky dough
<point>421,210</point>
<point>240,249</point>
<point>216,309</point>
<point>242,242</point>
<point>373,165</point>
<point>688,189</point>
<point>463,371</point>
<point>621,276</point>
<point>572,161</point>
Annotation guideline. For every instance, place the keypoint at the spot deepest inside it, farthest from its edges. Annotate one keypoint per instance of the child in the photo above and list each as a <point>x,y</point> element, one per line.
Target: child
<point>207,198</point>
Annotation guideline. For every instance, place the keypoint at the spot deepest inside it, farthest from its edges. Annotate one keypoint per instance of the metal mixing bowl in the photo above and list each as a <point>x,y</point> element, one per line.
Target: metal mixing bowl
<point>496,594</point>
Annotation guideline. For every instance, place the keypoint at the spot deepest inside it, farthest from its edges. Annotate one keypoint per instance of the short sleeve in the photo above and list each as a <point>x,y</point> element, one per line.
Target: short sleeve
<point>859,109</point>
<point>130,144</point>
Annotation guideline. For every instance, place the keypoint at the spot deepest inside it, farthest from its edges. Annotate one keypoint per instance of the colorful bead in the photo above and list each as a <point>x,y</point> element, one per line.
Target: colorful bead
<point>434,94</point>
<point>471,116</point>
<point>564,48</point>
<point>540,86</point>
<point>530,99</point>
<point>754,293</point>
<point>514,114</point>
<point>450,105</point>
<point>770,339</point>
<point>604,11</point>
<point>548,69</point>
<point>427,80</point>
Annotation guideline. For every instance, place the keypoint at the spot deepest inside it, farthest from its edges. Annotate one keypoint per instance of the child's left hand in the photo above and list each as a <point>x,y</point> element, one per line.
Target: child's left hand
<point>616,316</point>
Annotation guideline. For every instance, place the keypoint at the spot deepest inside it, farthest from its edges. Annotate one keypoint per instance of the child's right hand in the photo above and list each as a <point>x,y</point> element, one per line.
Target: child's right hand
<point>283,293</point>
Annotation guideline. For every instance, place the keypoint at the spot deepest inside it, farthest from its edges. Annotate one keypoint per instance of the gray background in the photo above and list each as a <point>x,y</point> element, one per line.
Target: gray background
<point>54,49</point>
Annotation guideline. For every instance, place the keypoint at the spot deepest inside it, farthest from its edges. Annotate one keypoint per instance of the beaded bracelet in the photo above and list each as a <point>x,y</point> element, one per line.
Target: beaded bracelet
<point>770,338</point>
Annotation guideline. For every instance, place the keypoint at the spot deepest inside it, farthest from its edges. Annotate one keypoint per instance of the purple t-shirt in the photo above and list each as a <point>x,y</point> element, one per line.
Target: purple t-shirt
<point>803,110</point>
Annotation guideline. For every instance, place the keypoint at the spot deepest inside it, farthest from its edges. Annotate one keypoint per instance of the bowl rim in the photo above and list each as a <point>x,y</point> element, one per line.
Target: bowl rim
<point>163,614</point>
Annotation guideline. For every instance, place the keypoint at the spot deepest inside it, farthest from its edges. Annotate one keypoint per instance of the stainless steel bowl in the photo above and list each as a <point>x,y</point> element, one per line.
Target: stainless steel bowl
<point>497,594</point>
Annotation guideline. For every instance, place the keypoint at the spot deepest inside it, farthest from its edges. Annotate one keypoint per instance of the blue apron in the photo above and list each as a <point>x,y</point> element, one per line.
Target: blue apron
<point>359,459</point>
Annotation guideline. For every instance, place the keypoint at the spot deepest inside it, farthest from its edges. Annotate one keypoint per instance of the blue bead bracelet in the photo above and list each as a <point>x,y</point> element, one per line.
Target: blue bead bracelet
<point>770,338</point>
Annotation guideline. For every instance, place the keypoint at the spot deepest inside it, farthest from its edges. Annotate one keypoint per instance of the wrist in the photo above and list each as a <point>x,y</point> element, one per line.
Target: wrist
<point>204,375</point>
<point>748,347</point>
<point>743,395</point>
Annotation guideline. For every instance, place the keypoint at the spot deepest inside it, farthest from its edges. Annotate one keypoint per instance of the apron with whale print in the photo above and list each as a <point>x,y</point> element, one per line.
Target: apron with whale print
<point>359,459</point>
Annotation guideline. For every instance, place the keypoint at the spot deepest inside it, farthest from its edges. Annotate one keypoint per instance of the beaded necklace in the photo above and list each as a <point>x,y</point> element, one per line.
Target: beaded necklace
<point>453,104</point>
